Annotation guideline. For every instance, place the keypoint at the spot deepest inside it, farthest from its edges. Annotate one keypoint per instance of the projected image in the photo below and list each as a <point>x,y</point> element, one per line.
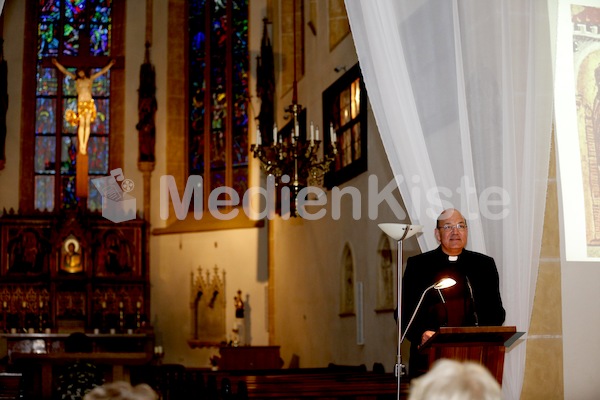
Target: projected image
<point>586,55</point>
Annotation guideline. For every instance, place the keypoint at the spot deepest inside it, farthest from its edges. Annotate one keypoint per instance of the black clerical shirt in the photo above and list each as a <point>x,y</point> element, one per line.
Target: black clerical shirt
<point>454,306</point>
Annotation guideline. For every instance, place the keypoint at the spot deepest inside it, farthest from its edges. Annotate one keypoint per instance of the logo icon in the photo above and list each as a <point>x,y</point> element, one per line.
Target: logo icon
<point>117,204</point>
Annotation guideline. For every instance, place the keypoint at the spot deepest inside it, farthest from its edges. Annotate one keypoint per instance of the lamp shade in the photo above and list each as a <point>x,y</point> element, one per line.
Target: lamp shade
<point>400,231</point>
<point>444,283</point>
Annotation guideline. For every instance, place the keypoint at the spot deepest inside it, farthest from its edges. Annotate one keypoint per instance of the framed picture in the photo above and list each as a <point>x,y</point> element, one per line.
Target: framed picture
<point>345,111</point>
<point>577,108</point>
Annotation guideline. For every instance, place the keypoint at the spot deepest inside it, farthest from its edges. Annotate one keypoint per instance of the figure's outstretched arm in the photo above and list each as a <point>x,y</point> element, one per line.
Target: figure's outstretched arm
<point>103,70</point>
<point>62,69</point>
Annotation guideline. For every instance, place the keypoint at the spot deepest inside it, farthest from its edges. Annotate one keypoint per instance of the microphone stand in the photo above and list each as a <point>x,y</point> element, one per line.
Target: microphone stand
<point>472,301</point>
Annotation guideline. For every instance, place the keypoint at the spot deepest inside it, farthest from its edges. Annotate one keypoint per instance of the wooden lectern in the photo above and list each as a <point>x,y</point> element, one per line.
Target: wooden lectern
<point>484,345</point>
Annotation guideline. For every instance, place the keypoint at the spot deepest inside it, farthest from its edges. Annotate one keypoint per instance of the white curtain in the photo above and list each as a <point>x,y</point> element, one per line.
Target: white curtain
<point>462,94</point>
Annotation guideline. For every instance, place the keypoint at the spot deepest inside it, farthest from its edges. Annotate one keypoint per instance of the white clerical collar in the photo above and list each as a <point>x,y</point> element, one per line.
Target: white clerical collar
<point>452,258</point>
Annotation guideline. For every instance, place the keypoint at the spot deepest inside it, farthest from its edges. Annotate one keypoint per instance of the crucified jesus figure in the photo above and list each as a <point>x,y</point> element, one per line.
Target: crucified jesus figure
<point>86,108</point>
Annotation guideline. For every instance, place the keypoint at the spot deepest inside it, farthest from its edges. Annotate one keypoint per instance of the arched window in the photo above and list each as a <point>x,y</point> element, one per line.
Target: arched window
<point>347,304</point>
<point>218,93</point>
<point>385,275</point>
<point>78,34</point>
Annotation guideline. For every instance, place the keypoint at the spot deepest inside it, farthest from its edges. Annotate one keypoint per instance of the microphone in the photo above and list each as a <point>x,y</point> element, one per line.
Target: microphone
<point>472,300</point>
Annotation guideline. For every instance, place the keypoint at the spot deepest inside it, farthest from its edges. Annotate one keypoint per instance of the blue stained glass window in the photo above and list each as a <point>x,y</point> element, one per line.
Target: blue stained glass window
<point>69,88</point>
<point>101,85</point>
<point>63,26</point>
<point>98,156</point>
<point>47,82</point>
<point>101,125</point>
<point>45,121</point>
<point>99,40</point>
<point>45,154</point>
<point>226,129</point>
<point>44,189</point>
<point>68,155</point>
<point>94,199</point>
<point>69,200</point>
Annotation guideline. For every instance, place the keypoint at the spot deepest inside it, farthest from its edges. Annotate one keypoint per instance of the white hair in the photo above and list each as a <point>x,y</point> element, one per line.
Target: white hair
<point>454,380</point>
<point>121,390</point>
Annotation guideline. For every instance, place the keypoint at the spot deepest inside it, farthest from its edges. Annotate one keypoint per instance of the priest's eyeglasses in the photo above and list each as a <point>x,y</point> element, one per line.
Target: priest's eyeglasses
<point>449,228</point>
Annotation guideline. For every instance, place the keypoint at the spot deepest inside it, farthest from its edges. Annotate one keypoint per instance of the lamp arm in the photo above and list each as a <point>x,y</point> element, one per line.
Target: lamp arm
<point>414,314</point>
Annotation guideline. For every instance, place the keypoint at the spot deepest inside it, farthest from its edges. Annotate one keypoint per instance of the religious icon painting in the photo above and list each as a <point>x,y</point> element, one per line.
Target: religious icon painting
<point>71,260</point>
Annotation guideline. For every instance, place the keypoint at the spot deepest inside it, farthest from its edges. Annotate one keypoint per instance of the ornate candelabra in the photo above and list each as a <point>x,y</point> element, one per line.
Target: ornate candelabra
<point>295,160</point>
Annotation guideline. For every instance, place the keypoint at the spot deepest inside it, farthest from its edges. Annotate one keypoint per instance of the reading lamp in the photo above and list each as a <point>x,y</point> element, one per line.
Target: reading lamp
<point>443,283</point>
<point>399,232</point>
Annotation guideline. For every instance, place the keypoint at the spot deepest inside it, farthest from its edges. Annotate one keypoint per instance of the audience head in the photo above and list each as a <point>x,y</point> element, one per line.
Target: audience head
<point>454,380</point>
<point>121,390</point>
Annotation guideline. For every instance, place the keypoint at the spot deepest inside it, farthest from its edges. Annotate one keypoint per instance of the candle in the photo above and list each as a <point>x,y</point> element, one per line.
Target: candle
<point>275,133</point>
<point>331,132</point>
<point>258,138</point>
<point>297,130</point>
<point>312,133</point>
<point>317,133</point>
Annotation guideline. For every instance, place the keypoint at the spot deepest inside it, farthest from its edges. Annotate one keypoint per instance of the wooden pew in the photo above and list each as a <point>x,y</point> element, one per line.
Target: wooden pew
<point>319,384</point>
<point>299,383</point>
<point>11,386</point>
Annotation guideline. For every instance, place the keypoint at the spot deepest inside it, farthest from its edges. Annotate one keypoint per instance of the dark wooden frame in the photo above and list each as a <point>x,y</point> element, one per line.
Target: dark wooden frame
<point>331,95</point>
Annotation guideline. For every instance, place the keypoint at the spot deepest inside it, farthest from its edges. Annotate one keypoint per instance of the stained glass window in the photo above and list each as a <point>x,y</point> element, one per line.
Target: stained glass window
<point>219,67</point>
<point>78,34</point>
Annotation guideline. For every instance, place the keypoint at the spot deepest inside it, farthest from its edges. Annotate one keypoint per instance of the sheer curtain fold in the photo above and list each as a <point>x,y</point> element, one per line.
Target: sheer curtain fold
<point>462,95</point>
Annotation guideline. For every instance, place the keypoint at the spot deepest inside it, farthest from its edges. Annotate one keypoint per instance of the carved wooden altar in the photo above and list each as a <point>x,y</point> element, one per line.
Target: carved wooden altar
<point>73,271</point>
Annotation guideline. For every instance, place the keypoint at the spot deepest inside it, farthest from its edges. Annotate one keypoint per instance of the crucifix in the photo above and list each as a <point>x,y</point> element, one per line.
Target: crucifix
<point>86,110</point>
